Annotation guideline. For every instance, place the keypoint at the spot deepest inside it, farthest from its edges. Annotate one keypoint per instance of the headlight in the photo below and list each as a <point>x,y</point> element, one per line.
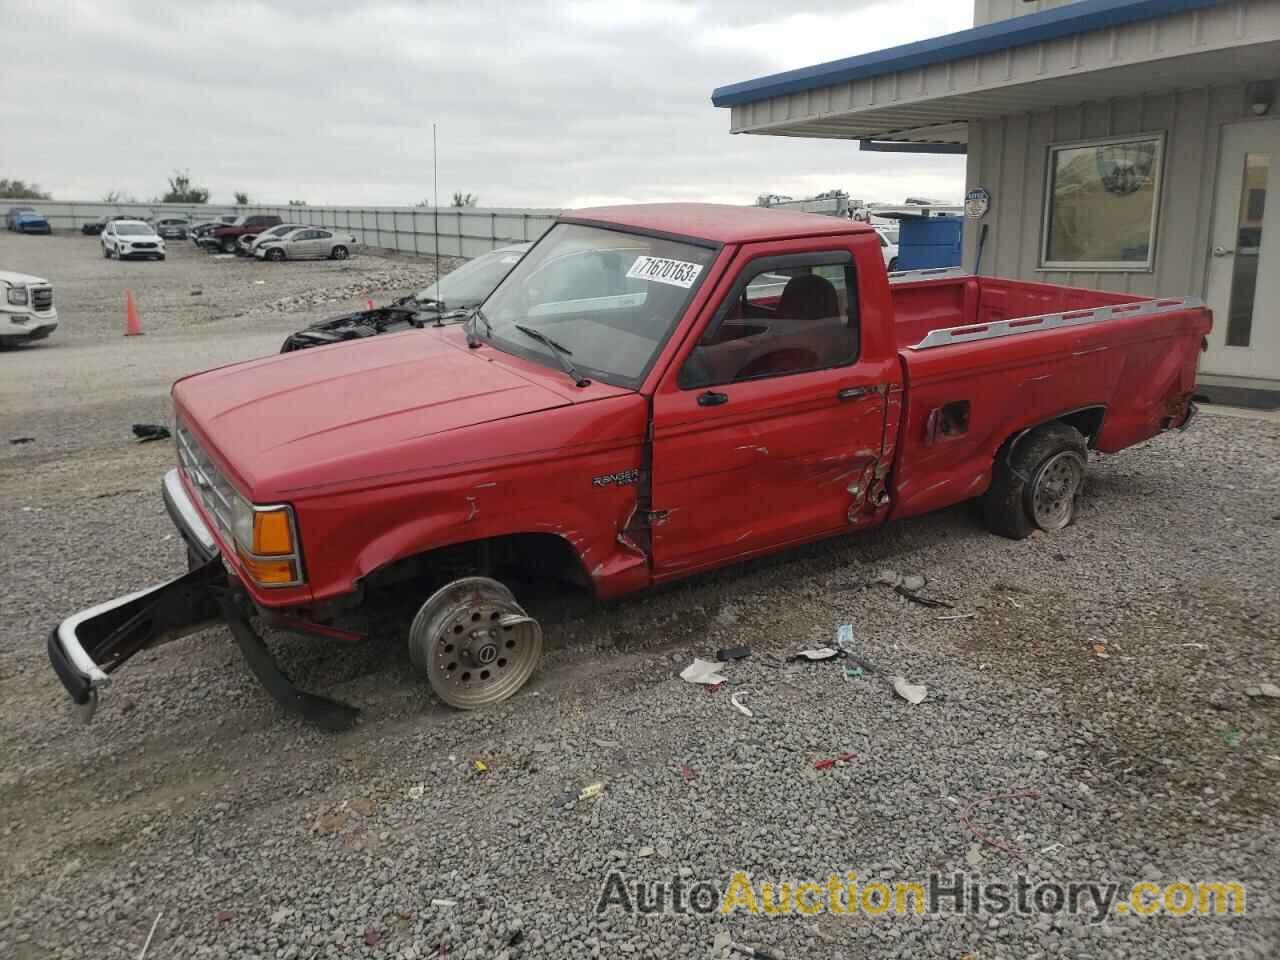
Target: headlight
<point>18,296</point>
<point>266,543</point>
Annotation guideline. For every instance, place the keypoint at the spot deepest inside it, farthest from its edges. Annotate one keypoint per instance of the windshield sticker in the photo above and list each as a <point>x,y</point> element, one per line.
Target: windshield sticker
<point>678,273</point>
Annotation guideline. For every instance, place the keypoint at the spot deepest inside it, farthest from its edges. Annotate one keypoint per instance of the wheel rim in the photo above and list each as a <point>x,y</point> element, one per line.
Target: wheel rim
<point>340,253</point>
<point>1053,495</point>
<point>476,643</point>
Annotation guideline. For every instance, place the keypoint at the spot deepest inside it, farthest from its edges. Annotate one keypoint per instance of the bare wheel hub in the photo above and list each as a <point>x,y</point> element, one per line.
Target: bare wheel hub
<point>476,643</point>
<point>1054,492</point>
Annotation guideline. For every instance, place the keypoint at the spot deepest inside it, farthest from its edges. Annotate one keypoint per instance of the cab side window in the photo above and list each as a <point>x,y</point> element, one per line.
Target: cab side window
<point>782,317</point>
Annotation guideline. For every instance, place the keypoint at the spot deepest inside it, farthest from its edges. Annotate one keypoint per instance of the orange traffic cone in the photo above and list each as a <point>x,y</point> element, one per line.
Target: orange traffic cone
<point>132,328</point>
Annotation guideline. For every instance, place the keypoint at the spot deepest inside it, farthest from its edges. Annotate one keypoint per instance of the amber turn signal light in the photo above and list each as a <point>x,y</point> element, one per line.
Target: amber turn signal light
<point>272,533</point>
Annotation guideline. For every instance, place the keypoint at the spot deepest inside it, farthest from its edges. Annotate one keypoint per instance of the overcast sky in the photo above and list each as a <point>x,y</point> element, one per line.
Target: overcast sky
<point>551,104</point>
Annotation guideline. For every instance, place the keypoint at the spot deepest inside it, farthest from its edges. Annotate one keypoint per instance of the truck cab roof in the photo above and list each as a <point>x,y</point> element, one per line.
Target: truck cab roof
<point>716,222</point>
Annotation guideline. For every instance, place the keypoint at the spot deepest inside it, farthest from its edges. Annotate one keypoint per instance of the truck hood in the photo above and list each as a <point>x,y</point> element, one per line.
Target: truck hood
<point>20,279</point>
<point>338,414</point>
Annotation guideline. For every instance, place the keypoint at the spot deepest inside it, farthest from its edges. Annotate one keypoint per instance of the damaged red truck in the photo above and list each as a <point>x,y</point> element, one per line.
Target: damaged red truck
<point>652,391</point>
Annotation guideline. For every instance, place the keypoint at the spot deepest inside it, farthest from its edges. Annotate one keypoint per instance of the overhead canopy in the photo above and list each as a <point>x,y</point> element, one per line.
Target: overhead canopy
<point>1090,50</point>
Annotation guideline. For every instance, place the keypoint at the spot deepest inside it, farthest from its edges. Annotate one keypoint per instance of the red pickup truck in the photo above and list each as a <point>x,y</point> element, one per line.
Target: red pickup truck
<point>652,391</point>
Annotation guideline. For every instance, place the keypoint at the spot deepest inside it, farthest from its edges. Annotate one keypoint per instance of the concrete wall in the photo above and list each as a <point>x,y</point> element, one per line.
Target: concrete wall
<point>989,11</point>
<point>1009,156</point>
<point>465,231</point>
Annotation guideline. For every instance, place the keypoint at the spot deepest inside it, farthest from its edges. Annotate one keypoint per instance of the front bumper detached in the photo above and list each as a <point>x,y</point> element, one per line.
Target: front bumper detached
<point>87,647</point>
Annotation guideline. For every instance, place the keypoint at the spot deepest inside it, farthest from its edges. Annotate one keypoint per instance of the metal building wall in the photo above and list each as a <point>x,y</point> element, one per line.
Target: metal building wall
<point>1009,156</point>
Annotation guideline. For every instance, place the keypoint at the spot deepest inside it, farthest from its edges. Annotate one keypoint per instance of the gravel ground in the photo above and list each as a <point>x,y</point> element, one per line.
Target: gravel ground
<point>193,799</point>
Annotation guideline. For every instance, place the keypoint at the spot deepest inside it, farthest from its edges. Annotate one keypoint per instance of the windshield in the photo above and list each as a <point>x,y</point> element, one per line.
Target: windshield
<point>890,235</point>
<point>471,282</point>
<point>609,298</point>
<point>132,229</point>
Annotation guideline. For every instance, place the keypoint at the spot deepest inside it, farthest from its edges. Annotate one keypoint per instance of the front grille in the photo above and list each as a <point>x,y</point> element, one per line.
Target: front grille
<point>215,493</point>
<point>144,246</point>
<point>42,298</point>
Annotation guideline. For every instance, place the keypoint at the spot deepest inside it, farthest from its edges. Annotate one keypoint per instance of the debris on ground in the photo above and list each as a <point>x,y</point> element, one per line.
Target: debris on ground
<point>702,671</point>
<point>910,692</point>
<point>146,946</point>
<point>1268,690</point>
<point>146,432</point>
<point>739,706</point>
<point>1100,649</point>
<point>890,578</point>
<point>991,798</point>
<point>912,582</point>
<point>818,653</point>
<point>443,902</point>
<point>725,654</point>
<point>591,791</point>
<point>959,616</point>
<point>923,601</point>
<point>480,766</point>
<point>418,792</point>
<point>832,761</point>
<point>607,744</point>
<point>18,440</point>
<point>852,673</point>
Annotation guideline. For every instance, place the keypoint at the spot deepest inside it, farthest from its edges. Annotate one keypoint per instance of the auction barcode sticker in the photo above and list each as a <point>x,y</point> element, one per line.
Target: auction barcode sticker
<point>678,273</point>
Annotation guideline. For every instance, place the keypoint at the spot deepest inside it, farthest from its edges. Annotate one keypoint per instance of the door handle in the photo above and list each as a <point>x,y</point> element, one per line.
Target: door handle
<point>853,393</point>
<point>1222,252</point>
<point>712,399</point>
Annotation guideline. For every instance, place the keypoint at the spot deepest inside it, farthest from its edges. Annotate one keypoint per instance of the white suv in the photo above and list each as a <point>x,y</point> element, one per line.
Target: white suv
<point>131,238</point>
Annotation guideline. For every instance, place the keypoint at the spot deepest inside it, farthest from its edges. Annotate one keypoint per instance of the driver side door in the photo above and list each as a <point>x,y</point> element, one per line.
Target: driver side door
<point>768,432</point>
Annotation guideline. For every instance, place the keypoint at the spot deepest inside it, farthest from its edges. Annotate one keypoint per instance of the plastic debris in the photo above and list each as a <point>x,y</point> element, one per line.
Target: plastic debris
<point>702,671</point>
<point>714,687</point>
<point>959,616</point>
<point>418,792</point>
<point>832,761</point>
<point>736,700</point>
<point>17,440</point>
<point>146,432</point>
<point>442,902</point>
<point>818,653</point>
<point>480,766</point>
<point>725,654</point>
<point>913,582</point>
<point>591,791</point>
<point>910,692</point>
<point>853,673</point>
<point>1268,690</point>
<point>1100,650</point>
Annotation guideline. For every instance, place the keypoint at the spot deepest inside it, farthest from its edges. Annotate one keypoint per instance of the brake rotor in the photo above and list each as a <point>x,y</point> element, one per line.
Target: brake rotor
<point>476,643</point>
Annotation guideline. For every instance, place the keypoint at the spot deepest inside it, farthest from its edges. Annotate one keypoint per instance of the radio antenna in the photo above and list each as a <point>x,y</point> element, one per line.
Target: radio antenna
<point>435,211</point>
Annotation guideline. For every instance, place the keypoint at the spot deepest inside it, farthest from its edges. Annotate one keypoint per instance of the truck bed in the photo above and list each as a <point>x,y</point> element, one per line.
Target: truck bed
<point>985,357</point>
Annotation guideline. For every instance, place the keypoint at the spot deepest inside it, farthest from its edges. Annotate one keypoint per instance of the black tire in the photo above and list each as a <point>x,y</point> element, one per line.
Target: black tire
<point>275,253</point>
<point>106,254</point>
<point>339,252</point>
<point>228,244</point>
<point>893,264</point>
<point>1033,488</point>
<point>160,257</point>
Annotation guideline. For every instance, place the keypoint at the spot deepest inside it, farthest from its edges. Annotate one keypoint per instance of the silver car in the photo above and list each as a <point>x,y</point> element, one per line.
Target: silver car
<point>304,243</point>
<point>251,240</point>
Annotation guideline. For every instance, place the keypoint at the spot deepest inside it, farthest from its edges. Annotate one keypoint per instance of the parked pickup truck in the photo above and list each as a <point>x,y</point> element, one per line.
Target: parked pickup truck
<point>651,391</point>
<point>226,238</point>
<point>26,309</point>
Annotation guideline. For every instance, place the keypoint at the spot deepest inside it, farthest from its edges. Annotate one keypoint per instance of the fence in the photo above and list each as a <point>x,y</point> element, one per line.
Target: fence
<point>462,231</point>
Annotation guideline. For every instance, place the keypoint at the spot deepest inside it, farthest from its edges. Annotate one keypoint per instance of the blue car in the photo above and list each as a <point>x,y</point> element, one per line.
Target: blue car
<point>29,221</point>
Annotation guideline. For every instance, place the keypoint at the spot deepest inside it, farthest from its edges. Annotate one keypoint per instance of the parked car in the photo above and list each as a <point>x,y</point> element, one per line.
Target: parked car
<point>306,243</point>
<point>888,246</point>
<point>30,221</point>
<point>245,245</point>
<point>172,228</point>
<point>11,216</point>
<point>26,309</point>
<point>449,300</point>
<point>224,237</point>
<point>201,229</point>
<point>131,238</point>
<point>621,413</point>
<point>94,228</point>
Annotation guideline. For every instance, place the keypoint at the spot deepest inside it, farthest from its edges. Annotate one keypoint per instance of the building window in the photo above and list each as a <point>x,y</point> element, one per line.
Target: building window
<point>1101,199</point>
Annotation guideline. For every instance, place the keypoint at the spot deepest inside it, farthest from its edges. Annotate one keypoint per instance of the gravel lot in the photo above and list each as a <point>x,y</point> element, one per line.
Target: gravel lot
<point>192,798</point>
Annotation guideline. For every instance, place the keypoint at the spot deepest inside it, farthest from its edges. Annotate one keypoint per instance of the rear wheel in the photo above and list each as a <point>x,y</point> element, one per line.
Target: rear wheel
<point>339,252</point>
<point>1039,484</point>
<point>477,644</point>
<point>228,244</point>
<point>893,264</point>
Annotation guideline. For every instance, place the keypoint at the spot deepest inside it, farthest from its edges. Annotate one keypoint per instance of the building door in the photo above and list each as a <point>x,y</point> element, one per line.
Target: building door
<point>1244,268</point>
